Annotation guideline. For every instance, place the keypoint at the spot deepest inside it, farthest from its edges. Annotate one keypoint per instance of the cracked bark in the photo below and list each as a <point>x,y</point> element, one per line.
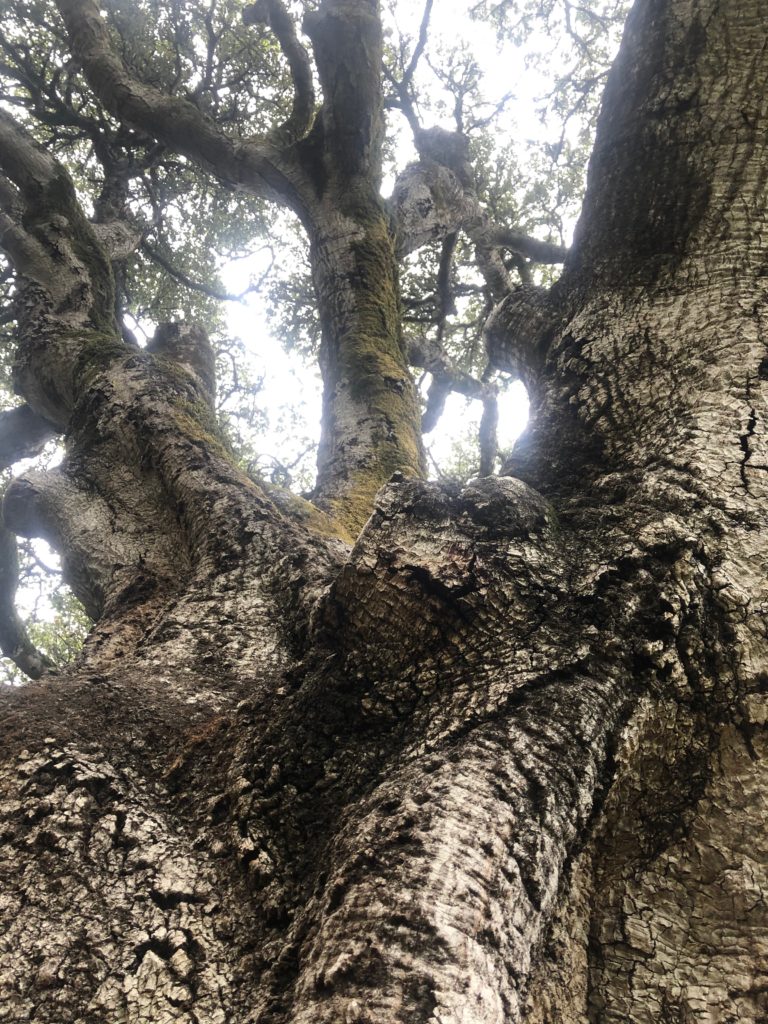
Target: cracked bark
<point>503,760</point>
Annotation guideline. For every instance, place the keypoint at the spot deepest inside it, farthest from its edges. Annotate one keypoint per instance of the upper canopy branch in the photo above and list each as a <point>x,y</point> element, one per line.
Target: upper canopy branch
<point>421,43</point>
<point>348,47</point>
<point>259,166</point>
<point>274,14</point>
<point>430,201</point>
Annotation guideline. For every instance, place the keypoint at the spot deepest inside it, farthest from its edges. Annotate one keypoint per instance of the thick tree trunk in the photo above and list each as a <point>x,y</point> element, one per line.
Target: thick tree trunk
<point>505,759</point>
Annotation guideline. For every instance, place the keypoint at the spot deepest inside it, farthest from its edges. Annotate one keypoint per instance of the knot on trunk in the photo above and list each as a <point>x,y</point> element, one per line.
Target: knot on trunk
<point>451,149</point>
<point>189,347</point>
<point>505,505</point>
<point>429,201</point>
<point>428,562</point>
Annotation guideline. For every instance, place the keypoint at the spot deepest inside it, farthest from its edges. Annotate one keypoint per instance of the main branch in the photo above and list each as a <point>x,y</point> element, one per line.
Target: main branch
<point>260,166</point>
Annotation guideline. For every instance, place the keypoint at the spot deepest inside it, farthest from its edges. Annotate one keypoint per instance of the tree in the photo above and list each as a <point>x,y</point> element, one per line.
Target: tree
<point>503,759</point>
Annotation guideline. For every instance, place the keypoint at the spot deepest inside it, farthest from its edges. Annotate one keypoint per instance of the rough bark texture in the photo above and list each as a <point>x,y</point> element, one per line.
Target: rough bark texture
<point>504,759</point>
<point>370,414</point>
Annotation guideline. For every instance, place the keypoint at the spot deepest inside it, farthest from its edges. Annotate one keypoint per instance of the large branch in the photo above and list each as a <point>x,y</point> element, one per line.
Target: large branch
<point>430,201</point>
<point>119,238</point>
<point>22,160</point>
<point>65,277</point>
<point>258,166</point>
<point>430,356</point>
<point>25,173</point>
<point>347,44</point>
<point>525,245</point>
<point>23,434</point>
<point>14,642</point>
<point>28,256</point>
<point>274,14</point>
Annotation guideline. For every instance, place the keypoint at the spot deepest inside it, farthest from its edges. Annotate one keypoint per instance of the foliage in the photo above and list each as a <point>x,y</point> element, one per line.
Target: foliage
<point>57,624</point>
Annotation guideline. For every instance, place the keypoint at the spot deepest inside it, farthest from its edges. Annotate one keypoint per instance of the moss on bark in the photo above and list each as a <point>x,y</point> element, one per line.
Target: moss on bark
<point>373,418</point>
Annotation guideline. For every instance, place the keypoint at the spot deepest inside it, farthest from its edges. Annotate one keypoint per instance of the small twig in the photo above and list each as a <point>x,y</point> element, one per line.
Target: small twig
<point>198,286</point>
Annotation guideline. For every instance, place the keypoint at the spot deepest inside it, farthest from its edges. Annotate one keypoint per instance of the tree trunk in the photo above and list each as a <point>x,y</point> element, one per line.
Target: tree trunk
<point>371,423</point>
<point>503,760</point>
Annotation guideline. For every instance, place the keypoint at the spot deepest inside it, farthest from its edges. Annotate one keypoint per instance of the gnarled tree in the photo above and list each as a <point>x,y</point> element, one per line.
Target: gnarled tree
<point>404,753</point>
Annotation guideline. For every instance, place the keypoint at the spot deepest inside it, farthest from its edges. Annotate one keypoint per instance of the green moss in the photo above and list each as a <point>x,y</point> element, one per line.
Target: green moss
<point>174,372</point>
<point>374,362</point>
<point>194,415</point>
<point>370,364</point>
<point>353,506</point>
<point>96,351</point>
<point>187,417</point>
<point>309,516</point>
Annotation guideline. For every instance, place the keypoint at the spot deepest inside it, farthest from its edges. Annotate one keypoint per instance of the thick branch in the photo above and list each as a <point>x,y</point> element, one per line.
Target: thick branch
<point>672,147</point>
<point>28,256</point>
<point>175,122</point>
<point>347,44</point>
<point>22,159</point>
<point>430,200</point>
<point>446,378</point>
<point>14,642</point>
<point>524,245</point>
<point>489,444</point>
<point>23,434</point>
<point>66,294</point>
<point>274,14</point>
<point>428,203</point>
<point>490,263</point>
<point>10,198</point>
<point>445,303</point>
<point>118,238</point>
<point>518,330</point>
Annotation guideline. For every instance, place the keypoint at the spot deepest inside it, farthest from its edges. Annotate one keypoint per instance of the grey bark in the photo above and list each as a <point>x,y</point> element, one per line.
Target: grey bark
<point>503,760</point>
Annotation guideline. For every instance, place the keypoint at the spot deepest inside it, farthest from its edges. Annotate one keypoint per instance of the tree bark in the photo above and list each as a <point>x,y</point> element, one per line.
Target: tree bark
<point>504,759</point>
<point>370,424</point>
